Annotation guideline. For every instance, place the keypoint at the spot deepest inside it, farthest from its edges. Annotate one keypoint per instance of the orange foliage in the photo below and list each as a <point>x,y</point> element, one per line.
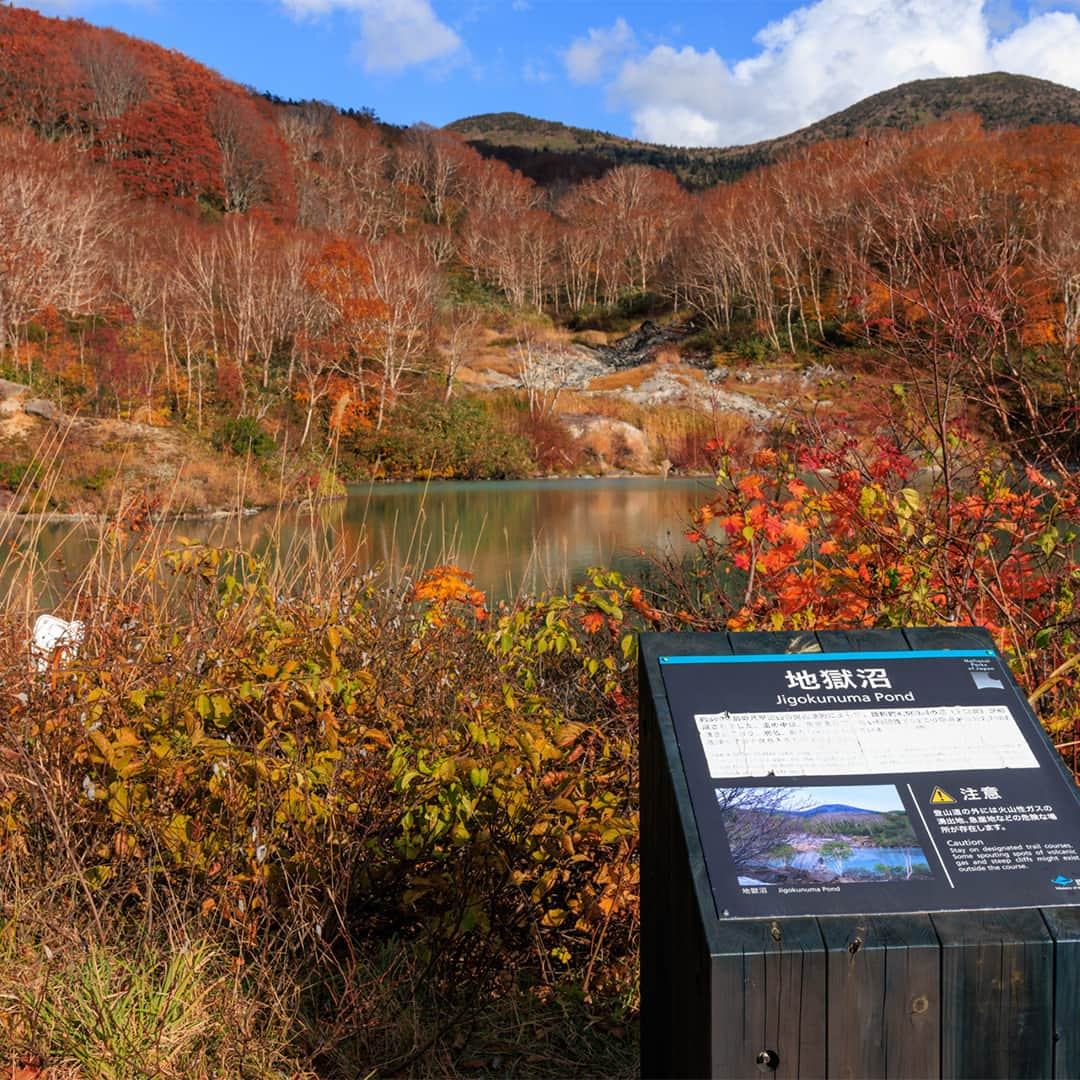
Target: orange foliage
<point>444,586</point>
<point>864,545</point>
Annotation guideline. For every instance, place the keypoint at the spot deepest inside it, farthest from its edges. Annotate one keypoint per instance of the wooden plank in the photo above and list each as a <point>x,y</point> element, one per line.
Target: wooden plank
<point>769,998</point>
<point>862,640</point>
<point>678,914</point>
<point>884,996</point>
<point>1064,924</point>
<point>948,637</point>
<point>764,642</point>
<point>674,968</point>
<point>997,1009</point>
<point>762,987</point>
<point>684,643</point>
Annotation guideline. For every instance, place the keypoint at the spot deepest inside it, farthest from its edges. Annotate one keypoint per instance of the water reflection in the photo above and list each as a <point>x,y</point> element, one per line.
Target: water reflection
<point>514,536</point>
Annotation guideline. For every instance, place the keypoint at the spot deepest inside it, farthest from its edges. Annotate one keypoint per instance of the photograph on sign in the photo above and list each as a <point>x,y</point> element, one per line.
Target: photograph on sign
<point>820,835</point>
<point>871,783</point>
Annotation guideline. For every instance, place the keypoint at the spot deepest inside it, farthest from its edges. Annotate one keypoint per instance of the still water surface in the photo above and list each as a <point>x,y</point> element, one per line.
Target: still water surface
<point>864,860</point>
<point>514,536</point>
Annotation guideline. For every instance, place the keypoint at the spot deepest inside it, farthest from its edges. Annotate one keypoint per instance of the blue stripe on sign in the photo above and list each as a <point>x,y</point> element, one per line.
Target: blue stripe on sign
<point>814,658</point>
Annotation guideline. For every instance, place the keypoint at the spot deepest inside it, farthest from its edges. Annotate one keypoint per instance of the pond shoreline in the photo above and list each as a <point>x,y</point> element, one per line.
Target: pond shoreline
<point>102,518</point>
<point>531,535</point>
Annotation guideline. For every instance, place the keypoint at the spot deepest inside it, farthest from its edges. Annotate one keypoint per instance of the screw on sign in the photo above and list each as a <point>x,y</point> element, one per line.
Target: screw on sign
<point>768,1061</point>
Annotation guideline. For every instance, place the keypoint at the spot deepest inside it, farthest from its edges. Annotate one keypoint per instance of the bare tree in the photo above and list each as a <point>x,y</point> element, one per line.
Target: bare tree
<point>756,820</point>
<point>406,284</point>
<point>460,330</point>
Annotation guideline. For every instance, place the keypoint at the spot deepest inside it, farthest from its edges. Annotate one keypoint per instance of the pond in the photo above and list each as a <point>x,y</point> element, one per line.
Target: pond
<point>514,536</point>
<point>864,859</point>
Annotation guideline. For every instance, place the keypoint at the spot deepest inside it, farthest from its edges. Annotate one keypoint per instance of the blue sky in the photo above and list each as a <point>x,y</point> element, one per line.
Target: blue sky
<point>879,797</point>
<point>711,72</point>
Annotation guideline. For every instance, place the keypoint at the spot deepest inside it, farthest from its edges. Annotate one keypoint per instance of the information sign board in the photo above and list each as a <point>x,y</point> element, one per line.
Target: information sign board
<point>871,783</point>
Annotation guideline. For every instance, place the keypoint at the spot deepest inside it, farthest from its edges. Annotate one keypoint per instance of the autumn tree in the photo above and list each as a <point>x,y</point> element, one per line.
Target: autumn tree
<point>431,161</point>
<point>406,286</point>
<point>254,165</point>
<point>341,277</point>
<point>359,198</point>
<point>117,81</point>
<point>459,332</point>
<point>55,217</point>
<point>41,85</point>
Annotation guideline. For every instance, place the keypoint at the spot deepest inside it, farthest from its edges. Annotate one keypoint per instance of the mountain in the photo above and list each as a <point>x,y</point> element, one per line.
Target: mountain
<point>832,808</point>
<point>551,152</point>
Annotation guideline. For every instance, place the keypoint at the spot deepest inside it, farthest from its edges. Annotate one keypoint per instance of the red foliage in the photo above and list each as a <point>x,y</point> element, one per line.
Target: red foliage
<point>162,150</point>
<point>825,537</point>
<point>168,127</point>
<point>40,82</point>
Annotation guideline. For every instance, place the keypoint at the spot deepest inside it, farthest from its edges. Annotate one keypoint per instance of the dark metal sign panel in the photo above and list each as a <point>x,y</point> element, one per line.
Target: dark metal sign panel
<point>872,782</point>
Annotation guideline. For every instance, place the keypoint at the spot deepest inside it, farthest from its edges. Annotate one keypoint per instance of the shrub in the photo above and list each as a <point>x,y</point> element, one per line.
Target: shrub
<point>355,774</point>
<point>461,439</point>
<point>755,349</point>
<point>243,435</point>
<point>12,474</point>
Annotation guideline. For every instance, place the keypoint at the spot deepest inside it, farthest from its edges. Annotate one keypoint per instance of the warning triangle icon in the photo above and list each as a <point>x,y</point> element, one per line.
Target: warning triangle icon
<point>940,795</point>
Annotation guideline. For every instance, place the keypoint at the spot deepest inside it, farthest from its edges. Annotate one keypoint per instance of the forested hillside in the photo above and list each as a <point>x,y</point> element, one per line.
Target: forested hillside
<point>550,152</point>
<point>174,244</point>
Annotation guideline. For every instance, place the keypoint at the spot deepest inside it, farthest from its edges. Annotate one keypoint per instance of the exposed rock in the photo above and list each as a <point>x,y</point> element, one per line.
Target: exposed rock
<point>662,387</point>
<point>732,401</point>
<point>668,386</point>
<point>497,380</point>
<point>553,367</point>
<point>614,444</point>
<point>11,397</point>
<point>818,372</point>
<point>9,389</point>
<point>41,407</point>
<point>638,347</point>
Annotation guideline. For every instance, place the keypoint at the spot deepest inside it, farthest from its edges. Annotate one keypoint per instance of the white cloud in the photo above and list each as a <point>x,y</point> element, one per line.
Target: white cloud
<point>395,34</point>
<point>535,73</point>
<point>825,57</point>
<point>1047,47</point>
<point>592,57</point>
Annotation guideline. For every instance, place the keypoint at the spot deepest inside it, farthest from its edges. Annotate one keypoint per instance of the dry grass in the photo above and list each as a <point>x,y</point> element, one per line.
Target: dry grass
<point>669,429</point>
<point>628,379</point>
<point>92,466</point>
<point>111,965</point>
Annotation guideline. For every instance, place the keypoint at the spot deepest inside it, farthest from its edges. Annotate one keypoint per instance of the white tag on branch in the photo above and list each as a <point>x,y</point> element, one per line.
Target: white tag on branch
<point>54,637</point>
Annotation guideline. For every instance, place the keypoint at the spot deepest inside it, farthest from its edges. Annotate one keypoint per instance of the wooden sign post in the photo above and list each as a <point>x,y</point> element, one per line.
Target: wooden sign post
<point>860,857</point>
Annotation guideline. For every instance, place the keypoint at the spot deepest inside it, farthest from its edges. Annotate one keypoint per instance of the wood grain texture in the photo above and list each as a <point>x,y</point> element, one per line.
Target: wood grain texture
<point>764,642</point>
<point>769,994</point>
<point>997,1008</point>
<point>948,637</point>
<point>862,640</point>
<point>678,915</point>
<point>884,996</point>
<point>1064,925</point>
